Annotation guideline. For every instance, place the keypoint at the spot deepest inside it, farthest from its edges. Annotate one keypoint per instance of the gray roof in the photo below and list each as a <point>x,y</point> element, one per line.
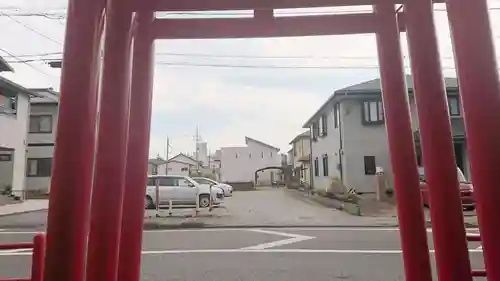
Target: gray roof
<point>4,66</point>
<point>305,134</point>
<point>6,83</point>
<point>47,96</point>
<point>374,87</point>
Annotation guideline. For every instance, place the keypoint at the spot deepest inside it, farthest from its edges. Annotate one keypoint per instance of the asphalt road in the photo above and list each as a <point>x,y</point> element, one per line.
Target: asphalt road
<point>292,254</point>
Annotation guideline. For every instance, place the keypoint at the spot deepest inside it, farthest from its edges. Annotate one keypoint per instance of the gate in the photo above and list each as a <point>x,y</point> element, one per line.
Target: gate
<point>114,240</point>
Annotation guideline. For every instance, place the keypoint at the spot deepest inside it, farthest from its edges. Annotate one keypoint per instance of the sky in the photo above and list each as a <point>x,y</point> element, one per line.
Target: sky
<point>269,103</point>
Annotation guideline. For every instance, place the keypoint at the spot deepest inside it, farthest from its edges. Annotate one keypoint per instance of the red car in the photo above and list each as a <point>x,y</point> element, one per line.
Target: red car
<point>466,190</point>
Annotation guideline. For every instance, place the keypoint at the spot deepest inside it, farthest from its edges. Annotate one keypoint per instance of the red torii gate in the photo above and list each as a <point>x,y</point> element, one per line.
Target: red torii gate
<point>113,170</point>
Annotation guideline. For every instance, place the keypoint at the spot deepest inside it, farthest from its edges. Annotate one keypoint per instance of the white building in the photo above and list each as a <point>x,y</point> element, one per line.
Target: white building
<point>201,153</point>
<point>239,164</point>
<point>301,154</point>
<point>44,112</point>
<point>14,112</point>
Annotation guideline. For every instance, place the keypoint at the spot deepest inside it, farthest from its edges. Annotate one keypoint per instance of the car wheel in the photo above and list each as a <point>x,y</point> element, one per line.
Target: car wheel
<point>148,202</point>
<point>204,201</point>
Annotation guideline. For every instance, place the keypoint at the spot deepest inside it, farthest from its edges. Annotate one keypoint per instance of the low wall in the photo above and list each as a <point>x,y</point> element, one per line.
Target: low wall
<point>242,186</point>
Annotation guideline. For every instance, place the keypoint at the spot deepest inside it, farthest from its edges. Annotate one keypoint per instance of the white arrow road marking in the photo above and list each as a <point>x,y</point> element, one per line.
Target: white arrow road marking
<point>294,238</point>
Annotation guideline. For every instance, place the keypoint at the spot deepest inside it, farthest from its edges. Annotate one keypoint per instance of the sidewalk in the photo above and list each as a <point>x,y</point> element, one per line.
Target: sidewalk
<point>24,207</point>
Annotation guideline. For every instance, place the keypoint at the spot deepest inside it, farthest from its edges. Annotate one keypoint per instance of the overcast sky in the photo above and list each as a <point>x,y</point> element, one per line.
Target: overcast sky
<point>268,104</point>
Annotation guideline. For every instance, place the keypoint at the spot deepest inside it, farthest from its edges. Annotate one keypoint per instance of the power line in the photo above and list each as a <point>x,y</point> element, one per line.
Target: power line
<point>39,70</point>
<point>32,29</point>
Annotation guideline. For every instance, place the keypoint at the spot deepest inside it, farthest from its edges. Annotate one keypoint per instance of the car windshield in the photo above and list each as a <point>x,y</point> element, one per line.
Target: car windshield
<point>461,177</point>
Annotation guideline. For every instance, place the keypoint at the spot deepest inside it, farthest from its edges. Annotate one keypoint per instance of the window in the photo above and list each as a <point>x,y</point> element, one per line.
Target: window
<point>324,125</point>
<point>236,155</point>
<point>40,124</point>
<point>5,157</point>
<point>454,106</point>
<point>294,149</point>
<point>168,182</point>
<point>155,170</point>
<point>249,155</point>
<point>325,165</point>
<point>184,169</point>
<point>336,115</point>
<point>315,130</point>
<point>316,167</point>
<point>373,112</point>
<point>39,167</point>
<point>262,154</point>
<point>271,154</point>
<point>370,165</point>
<point>8,104</point>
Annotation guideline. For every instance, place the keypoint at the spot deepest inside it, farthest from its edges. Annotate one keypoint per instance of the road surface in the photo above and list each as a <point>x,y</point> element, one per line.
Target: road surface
<point>292,254</point>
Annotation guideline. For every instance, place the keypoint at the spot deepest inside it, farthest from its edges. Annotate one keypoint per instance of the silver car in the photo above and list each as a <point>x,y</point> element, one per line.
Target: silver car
<point>181,190</point>
<point>228,190</point>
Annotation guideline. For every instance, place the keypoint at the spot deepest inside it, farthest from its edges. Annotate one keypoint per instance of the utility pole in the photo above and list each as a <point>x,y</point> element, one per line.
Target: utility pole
<point>197,141</point>
<point>167,152</point>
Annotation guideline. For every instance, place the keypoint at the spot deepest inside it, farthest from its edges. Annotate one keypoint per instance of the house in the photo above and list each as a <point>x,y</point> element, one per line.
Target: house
<point>157,166</point>
<point>239,164</point>
<point>349,138</point>
<point>14,113</point>
<point>41,139</point>
<point>301,157</point>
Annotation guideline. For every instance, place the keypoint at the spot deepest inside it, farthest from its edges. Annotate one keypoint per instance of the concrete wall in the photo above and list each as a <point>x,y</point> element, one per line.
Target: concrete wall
<point>329,145</point>
<point>41,145</point>
<point>13,134</point>
<point>361,140</point>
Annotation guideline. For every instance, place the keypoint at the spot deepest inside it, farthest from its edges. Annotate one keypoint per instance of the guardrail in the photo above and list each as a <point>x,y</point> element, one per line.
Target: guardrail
<point>171,202</point>
<point>473,237</point>
<point>37,260</point>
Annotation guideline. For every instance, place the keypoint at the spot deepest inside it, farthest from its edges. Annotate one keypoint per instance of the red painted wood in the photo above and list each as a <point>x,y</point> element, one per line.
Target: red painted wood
<point>38,259</point>
<point>15,246</point>
<point>277,27</point>
<point>221,5</point>
<point>71,182</point>
<point>480,92</point>
<point>129,268</point>
<point>452,256</point>
<point>109,180</point>
<point>402,148</point>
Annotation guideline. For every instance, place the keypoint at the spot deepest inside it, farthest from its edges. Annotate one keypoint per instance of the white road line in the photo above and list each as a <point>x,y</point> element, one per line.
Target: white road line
<point>294,238</point>
<point>311,251</point>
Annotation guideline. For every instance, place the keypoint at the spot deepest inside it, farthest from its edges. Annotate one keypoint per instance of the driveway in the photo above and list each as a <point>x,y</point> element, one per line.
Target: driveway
<point>265,207</point>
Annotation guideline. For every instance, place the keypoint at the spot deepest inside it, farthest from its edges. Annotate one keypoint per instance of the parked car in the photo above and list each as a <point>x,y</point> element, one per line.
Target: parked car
<point>181,190</point>
<point>226,188</point>
<point>466,190</point>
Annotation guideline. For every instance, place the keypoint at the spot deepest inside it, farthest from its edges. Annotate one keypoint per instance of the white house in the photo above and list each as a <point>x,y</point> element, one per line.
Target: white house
<point>44,111</point>
<point>14,112</point>
<point>181,164</point>
<point>239,164</point>
<point>301,154</point>
<point>349,139</point>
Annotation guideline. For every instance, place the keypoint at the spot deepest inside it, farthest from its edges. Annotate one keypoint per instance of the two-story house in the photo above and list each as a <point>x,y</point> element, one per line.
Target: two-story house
<point>44,111</point>
<point>301,157</point>
<point>355,143</point>
<point>239,164</point>
<point>14,113</point>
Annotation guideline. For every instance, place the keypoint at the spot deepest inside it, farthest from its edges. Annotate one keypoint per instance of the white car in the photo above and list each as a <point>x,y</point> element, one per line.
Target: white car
<point>181,190</point>
<point>228,190</point>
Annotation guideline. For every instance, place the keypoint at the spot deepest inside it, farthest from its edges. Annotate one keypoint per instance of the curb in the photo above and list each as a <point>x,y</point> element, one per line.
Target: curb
<point>350,208</point>
<point>23,212</point>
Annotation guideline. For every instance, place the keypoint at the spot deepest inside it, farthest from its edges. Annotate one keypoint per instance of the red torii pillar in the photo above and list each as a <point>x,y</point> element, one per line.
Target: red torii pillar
<point>402,147</point>
<point>480,94</point>
<point>452,256</point>
<point>111,157</point>
<point>68,215</point>
<point>129,267</point>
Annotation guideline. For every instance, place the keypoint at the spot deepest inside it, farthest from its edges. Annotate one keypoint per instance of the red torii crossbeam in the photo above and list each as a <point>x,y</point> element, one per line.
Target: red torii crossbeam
<point>116,173</point>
